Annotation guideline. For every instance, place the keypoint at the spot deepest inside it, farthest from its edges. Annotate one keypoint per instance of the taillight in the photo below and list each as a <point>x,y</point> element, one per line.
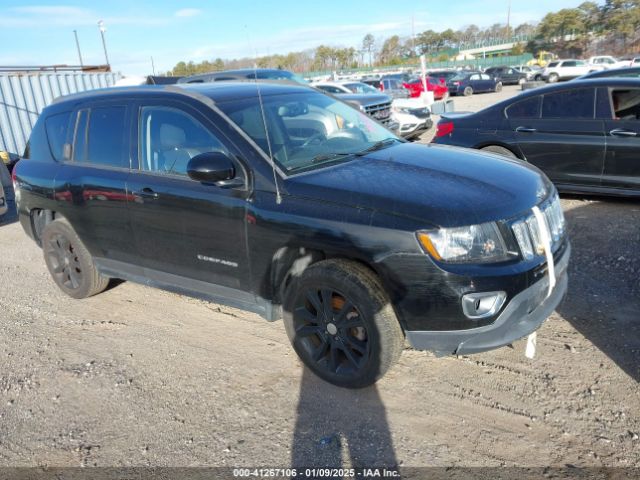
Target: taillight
<point>456,83</point>
<point>443,129</point>
<point>14,178</point>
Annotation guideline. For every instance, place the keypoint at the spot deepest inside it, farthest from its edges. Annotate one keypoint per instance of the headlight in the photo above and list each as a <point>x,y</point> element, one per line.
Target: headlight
<point>473,244</point>
<point>401,110</point>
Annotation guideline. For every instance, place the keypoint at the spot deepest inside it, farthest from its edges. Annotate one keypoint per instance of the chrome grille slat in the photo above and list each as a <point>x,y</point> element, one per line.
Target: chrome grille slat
<point>554,220</point>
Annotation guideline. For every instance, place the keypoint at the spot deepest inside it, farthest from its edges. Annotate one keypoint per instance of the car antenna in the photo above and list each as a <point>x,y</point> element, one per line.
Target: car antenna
<point>264,120</point>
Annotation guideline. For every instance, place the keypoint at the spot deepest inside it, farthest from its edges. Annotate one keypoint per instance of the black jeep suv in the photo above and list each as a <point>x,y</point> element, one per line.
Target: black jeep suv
<point>284,201</point>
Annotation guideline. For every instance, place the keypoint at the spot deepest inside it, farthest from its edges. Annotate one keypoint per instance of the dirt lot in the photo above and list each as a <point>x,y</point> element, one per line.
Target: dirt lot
<point>137,376</point>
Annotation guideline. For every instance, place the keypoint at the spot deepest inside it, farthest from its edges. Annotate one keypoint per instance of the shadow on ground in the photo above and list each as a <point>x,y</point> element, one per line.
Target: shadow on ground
<point>603,302</point>
<point>338,427</point>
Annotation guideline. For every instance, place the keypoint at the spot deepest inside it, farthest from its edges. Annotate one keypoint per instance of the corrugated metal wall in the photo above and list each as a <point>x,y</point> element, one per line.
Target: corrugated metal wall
<point>24,95</point>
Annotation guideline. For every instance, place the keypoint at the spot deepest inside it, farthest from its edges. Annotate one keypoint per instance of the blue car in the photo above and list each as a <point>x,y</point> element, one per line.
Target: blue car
<point>468,83</point>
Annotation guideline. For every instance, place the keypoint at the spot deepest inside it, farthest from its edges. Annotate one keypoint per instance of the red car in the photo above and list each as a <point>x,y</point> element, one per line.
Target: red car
<point>415,87</point>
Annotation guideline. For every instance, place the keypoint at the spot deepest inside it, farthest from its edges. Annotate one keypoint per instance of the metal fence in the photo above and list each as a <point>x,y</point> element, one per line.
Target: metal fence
<point>480,63</point>
<point>511,60</point>
<point>24,95</point>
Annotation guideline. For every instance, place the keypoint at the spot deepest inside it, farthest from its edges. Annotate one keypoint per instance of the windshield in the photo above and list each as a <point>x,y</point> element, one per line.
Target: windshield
<point>306,130</point>
<point>361,88</point>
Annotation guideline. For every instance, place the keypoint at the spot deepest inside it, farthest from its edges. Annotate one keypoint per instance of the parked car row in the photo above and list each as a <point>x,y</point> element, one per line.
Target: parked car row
<point>412,119</point>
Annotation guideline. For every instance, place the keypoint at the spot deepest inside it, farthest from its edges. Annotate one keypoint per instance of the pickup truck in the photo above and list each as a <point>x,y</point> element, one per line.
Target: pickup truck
<point>606,62</point>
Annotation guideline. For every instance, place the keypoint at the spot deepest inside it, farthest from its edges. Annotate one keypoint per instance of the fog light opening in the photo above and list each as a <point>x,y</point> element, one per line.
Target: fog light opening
<point>482,304</point>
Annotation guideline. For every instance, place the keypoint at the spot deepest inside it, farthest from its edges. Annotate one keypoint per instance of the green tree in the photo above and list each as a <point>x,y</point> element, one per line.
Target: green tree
<point>428,41</point>
<point>391,50</point>
<point>367,45</point>
<point>622,17</point>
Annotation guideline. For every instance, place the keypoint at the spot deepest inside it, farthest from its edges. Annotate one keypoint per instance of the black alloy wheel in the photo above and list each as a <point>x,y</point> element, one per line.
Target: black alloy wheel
<point>331,331</point>
<point>65,265</point>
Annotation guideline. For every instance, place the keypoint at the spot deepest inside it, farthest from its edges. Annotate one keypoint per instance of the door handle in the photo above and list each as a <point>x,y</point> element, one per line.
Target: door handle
<point>621,132</point>
<point>146,193</point>
<point>526,130</point>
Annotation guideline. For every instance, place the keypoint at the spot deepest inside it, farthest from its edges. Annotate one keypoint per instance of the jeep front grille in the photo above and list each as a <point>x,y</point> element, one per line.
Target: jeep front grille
<point>527,230</point>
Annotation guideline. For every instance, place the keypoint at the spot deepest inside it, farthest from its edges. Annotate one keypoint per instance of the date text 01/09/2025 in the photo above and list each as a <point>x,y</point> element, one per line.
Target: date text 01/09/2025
<point>316,473</point>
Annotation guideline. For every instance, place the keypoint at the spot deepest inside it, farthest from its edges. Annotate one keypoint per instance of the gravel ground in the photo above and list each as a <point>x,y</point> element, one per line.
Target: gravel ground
<point>141,377</point>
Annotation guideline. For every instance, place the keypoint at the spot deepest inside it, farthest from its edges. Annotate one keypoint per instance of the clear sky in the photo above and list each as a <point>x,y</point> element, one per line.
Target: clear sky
<point>41,32</point>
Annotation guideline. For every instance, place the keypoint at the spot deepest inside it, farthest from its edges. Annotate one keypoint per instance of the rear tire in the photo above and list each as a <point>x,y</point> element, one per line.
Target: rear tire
<point>498,87</point>
<point>553,78</point>
<point>69,262</point>
<point>497,149</point>
<point>341,323</point>
<point>468,91</point>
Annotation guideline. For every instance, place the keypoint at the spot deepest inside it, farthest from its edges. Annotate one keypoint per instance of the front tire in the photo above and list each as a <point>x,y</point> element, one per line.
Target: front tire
<point>69,262</point>
<point>341,324</point>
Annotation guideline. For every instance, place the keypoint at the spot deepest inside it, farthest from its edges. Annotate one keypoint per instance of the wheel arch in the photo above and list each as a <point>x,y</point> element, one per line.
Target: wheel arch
<point>291,261</point>
<point>38,219</point>
<point>498,143</point>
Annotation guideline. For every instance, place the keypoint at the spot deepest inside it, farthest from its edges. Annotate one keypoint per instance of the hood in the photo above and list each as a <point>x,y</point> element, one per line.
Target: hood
<point>434,184</point>
<point>364,99</point>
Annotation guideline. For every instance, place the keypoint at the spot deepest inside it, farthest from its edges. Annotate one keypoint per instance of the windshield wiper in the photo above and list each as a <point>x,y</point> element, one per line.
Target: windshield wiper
<point>378,146</point>
<point>323,157</point>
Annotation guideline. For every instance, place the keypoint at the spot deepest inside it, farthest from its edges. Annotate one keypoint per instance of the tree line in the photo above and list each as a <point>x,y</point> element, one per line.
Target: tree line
<point>613,27</point>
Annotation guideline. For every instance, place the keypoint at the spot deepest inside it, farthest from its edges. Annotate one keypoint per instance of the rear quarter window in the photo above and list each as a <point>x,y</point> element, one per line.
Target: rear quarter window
<point>57,127</point>
<point>529,108</point>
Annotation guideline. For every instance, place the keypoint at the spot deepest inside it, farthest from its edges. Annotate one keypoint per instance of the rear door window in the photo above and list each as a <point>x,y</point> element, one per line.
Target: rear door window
<point>57,127</point>
<point>100,136</point>
<point>577,103</point>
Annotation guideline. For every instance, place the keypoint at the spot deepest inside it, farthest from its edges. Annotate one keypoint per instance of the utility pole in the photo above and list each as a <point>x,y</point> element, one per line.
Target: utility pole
<point>508,17</point>
<point>104,44</point>
<point>75,33</point>
<point>153,67</point>
<point>413,35</point>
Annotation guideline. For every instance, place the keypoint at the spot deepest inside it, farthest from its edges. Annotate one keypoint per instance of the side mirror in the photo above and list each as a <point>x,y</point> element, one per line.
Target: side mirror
<point>211,167</point>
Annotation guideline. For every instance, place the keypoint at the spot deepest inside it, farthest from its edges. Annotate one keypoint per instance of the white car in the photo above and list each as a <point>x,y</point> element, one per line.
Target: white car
<point>607,62</point>
<point>346,87</point>
<point>567,69</point>
<point>412,116</point>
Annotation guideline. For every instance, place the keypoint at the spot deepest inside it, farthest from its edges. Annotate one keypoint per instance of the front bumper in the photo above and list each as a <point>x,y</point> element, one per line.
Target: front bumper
<point>412,130</point>
<point>522,315</point>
